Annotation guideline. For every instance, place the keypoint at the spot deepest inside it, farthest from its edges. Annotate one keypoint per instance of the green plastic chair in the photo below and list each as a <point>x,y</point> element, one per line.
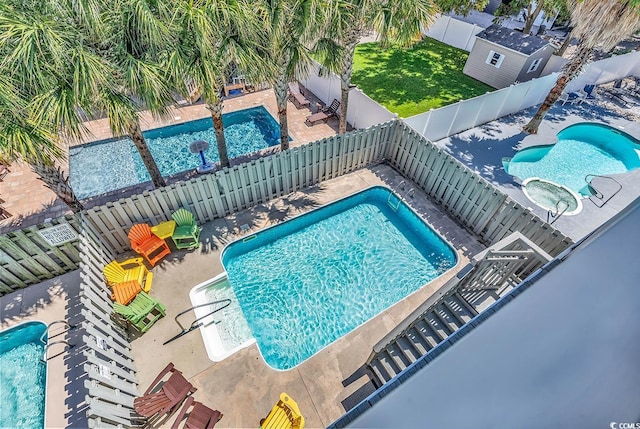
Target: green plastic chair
<point>187,232</point>
<point>142,312</point>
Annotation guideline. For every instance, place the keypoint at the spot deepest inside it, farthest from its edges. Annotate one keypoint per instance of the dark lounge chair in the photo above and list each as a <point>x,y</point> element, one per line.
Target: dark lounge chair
<point>324,114</point>
<point>163,399</point>
<point>200,417</point>
<point>297,97</point>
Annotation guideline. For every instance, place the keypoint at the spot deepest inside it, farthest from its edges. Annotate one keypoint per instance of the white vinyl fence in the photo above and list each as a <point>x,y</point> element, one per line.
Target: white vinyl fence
<point>363,112</point>
<point>607,70</point>
<point>453,32</point>
<point>439,123</point>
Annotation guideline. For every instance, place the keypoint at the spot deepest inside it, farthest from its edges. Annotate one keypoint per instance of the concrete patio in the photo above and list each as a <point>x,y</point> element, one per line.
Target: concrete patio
<point>482,149</point>
<point>242,386</point>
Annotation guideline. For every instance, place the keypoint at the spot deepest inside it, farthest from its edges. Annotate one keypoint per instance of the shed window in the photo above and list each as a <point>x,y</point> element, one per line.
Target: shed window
<point>534,65</point>
<point>495,59</point>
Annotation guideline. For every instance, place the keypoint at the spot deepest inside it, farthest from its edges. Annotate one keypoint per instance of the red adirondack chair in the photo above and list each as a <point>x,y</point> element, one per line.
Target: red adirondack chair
<point>156,403</point>
<point>200,417</point>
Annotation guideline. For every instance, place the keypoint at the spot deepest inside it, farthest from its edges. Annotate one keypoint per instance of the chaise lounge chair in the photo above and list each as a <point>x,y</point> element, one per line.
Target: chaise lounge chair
<point>296,97</point>
<point>284,414</point>
<point>163,399</point>
<point>187,232</point>
<point>147,244</point>
<point>200,417</point>
<point>325,114</point>
<point>142,312</point>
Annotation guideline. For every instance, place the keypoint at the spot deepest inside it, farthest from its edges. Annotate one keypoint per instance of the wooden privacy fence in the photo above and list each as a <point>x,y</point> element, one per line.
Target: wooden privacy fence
<point>233,189</point>
<point>38,252</point>
<point>106,359</point>
<point>111,383</point>
<point>26,257</point>
<point>477,204</point>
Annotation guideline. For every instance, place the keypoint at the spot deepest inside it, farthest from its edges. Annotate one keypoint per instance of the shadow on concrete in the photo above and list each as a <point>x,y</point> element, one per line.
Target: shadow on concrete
<point>434,214</point>
<point>362,392</point>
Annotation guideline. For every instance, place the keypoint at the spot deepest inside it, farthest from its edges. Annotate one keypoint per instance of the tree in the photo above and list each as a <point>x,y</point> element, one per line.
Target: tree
<point>38,104</point>
<point>134,45</point>
<point>75,60</point>
<point>596,23</point>
<point>348,21</point>
<point>532,9</point>
<point>290,27</point>
<point>461,7</point>
<point>212,39</point>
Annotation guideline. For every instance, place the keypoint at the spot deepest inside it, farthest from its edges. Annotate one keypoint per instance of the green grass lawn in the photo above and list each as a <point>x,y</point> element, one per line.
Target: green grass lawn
<point>414,80</point>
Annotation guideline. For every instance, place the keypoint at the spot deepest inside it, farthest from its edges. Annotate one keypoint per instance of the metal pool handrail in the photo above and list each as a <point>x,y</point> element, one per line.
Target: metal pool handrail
<point>599,195</point>
<point>555,216</point>
<point>194,324</point>
<point>410,193</point>
<point>47,344</point>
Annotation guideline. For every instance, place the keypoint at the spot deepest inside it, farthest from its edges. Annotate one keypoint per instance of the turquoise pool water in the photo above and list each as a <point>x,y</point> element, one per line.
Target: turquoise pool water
<point>582,149</point>
<point>22,376</point>
<point>108,165</point>
<point>307,282</point>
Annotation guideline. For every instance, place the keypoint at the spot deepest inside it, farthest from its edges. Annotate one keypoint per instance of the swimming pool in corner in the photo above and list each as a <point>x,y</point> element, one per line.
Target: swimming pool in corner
<point>104,166</point>
<point>22,376</point>
<point>582,149</point>
<point>306,282</point>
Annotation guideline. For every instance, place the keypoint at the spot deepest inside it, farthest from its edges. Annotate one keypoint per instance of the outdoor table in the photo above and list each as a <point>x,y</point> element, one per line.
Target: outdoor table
<point>164,230</point>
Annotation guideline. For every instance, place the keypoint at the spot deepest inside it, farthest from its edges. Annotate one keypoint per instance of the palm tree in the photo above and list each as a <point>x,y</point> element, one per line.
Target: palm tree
<point>348,21</point>
<point>596,23</point>
<point>23,137</point>
<point>212,38</point>
<point>39,103</point>
<point>136,44</point>
<point>74,60</point>
<point>290,29</point>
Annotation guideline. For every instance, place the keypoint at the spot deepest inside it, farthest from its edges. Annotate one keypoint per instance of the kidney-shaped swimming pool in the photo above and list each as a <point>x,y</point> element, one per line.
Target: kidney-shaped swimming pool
<point>582,149</point>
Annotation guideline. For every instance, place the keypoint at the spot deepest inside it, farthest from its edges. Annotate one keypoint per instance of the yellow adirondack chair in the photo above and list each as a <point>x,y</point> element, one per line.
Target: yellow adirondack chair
<point>131,270</point>
<point>284,415</point>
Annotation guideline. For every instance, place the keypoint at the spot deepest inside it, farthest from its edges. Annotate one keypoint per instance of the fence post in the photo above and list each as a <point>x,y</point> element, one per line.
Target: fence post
<point>426,123</point>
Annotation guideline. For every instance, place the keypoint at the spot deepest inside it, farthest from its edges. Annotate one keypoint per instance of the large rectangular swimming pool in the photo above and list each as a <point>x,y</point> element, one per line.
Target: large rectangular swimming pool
<point>22,376</point>
<point>308,281</point>
<point>100,167</point>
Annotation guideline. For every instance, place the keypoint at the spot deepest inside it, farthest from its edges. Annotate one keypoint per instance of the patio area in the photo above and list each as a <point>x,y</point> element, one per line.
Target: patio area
<point>482,149</point>
<point>30,202</point>
<point>242,386</point>
<point>332,381</point>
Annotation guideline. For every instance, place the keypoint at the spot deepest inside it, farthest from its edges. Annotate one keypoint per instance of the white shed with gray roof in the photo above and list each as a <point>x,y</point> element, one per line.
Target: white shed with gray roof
<point>501,56</point>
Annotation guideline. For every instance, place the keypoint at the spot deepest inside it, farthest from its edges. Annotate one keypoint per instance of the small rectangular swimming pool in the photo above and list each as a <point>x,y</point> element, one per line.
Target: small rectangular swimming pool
<point>104,166</point>
<point>308,281</point>
<point>22,376</point>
